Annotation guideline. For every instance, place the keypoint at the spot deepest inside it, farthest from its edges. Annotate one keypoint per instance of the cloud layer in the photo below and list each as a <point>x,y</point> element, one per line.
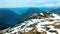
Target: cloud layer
<point>28,3</point>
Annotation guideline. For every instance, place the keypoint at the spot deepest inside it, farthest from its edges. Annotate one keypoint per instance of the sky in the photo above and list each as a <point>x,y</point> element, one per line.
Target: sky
<point>28,3</point>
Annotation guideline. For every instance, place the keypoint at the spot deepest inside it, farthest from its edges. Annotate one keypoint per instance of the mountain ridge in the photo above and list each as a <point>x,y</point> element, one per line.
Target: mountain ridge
<point>45,25</point>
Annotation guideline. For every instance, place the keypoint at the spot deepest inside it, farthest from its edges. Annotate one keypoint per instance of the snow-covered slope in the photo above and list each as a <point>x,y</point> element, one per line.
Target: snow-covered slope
<point>42,23</point>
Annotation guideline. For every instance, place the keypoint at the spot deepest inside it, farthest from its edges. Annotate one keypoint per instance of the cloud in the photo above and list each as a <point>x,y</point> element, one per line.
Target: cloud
<point>49,5</point>
<point>26,3</point>
<point>58,4</point>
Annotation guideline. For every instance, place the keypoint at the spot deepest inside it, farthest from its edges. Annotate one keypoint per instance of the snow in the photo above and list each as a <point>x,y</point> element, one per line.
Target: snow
<point>32,21</point>
<point>39,26</point>
<point>41,13</point>
<point>28,29</point>
<point>7,33</point>
<point>50,32</point>
<point>58,30</point>
<point>57,24</point>
<point>56,16</point>
<point>51,26</point>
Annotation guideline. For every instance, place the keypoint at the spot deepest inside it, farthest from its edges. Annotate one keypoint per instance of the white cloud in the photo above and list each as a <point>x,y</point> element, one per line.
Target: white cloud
<point>58,4</point>
<point>25,3</point>
<point>49,5</point>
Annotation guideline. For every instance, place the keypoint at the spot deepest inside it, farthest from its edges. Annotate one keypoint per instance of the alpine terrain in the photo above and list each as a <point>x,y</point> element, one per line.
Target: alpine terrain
<point>37,23</point>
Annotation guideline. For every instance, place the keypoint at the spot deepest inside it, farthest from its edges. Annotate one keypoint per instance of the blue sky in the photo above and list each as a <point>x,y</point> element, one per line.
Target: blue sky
<point>28,3</point>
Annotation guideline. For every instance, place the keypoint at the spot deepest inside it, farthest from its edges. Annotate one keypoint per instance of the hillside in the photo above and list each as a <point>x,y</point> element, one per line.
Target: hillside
<point>42,23</point>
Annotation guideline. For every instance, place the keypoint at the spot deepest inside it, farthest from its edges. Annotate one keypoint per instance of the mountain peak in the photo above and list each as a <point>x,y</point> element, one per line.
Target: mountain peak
<point>45,25</point>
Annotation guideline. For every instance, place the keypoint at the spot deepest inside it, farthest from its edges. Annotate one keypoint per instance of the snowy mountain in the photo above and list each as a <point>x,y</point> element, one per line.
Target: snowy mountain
<point>38,23</point>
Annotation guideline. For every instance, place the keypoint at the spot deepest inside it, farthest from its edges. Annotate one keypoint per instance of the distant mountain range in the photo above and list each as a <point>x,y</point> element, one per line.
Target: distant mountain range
<point>29,12</point>
<point>10,18</point>
<point>57,11</point>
